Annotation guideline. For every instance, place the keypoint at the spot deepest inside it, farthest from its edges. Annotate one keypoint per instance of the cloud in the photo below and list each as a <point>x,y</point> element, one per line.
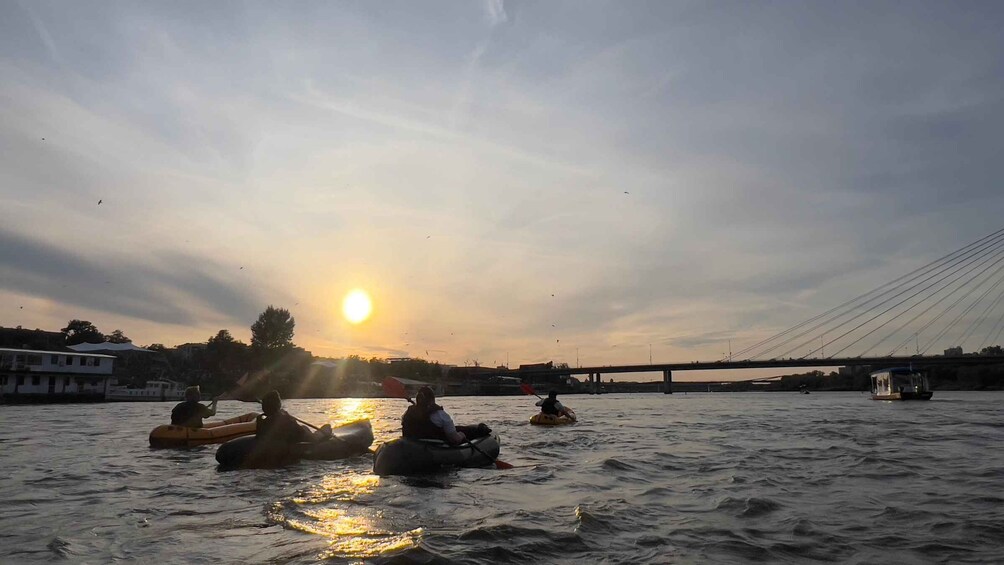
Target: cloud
<point>171,289</point>
<point>777,160</point>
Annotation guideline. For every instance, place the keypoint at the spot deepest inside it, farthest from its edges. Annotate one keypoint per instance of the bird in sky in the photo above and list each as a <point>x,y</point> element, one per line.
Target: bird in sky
<point>99,202</point>
<point>242,268</point>
<point>626,192</point>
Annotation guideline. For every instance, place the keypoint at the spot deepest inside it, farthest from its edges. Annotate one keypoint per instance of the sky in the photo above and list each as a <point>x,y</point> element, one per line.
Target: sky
<point>585,182</point>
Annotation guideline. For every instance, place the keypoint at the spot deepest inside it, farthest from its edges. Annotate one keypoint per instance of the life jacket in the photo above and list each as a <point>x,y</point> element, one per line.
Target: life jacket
<point>415,423</point>
<point>548,407</point>
<point>279,428</point>
<point>188,414</point>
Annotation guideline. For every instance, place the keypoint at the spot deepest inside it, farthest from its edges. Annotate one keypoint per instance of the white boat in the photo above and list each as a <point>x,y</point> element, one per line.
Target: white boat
<point>900,384</point>
<point>154,391</point>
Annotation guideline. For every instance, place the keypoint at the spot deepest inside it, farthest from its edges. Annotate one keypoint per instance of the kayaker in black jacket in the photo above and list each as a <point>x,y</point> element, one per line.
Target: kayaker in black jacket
<point>552,407</point>
<point>276,426</point>
<point>427,420</point>
<point>190,412</point>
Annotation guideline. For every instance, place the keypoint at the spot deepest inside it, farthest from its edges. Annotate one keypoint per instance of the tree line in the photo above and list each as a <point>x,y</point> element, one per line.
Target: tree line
<point>271,360</point>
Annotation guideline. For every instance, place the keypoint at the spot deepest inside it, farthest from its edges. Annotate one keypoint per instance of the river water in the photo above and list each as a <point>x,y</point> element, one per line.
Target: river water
<point>696,478</point>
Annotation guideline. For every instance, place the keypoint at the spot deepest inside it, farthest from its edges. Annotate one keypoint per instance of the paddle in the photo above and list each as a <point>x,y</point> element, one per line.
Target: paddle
<point>395,389</point>
<point>527,389</point>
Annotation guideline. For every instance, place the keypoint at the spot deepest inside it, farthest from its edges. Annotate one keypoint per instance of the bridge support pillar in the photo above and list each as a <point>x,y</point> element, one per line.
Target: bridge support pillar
<point>596,384</point>
<point>667,382</point>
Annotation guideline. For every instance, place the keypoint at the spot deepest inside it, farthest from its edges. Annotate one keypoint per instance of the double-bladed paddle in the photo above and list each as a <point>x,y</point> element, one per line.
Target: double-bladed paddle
<point>395,389</point>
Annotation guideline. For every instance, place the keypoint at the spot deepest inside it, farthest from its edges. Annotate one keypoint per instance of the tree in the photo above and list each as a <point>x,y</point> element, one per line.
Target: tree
<point>226,358</point>
<point>222,337</point>
<point>273,331</point>
<point>82,331</point>
<point>118,337</point>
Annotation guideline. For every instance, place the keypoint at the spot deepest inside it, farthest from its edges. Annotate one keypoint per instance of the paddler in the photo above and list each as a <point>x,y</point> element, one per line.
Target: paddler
<point>191,412</point>
<point>427,420</point>
<point>275,425</point>
<point>552,407</point>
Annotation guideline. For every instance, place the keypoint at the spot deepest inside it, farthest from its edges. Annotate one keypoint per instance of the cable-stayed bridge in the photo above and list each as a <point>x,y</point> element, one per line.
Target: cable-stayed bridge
<point>926,317</point>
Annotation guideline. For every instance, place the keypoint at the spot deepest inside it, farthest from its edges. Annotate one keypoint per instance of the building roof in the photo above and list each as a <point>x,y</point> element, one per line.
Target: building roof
<point>107,346</point>
<point>45,352</point>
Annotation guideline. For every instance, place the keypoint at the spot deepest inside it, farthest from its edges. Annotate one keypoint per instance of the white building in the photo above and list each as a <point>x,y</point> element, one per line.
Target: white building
<point>53,376</point>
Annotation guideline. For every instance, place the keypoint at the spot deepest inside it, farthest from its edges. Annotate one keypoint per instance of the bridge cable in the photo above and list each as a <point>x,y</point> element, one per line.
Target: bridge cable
<point>893,318</point>
<point>979,320</point>
<point>934,273</point>
<point>917,333</point>
<point>754,347</point>
<point>960,316</point>
<point>986,340</point>
<point>929,308</point>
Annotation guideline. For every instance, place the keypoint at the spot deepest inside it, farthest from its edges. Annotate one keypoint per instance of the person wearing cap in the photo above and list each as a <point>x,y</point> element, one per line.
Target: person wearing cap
<point>191,412</point>
<point>275,425</point>
<point>552,407</point>
<point>427,420</point>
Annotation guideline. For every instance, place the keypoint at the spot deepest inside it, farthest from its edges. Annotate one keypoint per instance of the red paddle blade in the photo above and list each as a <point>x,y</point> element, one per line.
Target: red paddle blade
<point>502,465</point>
<point>527,389</point>
<point>394,388</point>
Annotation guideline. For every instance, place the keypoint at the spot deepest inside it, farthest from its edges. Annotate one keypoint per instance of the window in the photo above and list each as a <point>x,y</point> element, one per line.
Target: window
<point>54,359</point>
<point>66,382</point>
<point>4,382</point>
<point>69,359</point>
<point>20,380</point>
<point>34,380</point>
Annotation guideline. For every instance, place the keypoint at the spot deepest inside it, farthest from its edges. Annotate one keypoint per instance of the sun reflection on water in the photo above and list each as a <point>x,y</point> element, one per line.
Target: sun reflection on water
<point>350,410</point>
<point>332,509</point>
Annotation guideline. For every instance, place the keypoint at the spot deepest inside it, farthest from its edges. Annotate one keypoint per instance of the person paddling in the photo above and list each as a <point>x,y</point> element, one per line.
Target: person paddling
<point>191,412</point>
<point>277,426</point>
<point>552,407</point>
<point>427,420</point>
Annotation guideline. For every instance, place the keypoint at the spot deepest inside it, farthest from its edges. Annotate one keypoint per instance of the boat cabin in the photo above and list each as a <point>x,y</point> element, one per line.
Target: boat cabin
<point>900,384</point>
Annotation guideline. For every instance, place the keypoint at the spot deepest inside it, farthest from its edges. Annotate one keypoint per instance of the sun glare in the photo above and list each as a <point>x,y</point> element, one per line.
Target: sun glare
<point>357,306</point>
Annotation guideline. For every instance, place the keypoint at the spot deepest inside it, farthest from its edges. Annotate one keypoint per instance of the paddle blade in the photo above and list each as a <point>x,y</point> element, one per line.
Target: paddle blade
<point>527,389</point>
<point>502,465</point>
<point>394,388</point>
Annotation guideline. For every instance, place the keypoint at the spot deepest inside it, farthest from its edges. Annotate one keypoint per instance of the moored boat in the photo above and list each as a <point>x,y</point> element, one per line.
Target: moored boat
<point>347,440</point>
<point>540,419</point>
<point>154,391</point>
<point>405,456</point>
<point>212,432</point>
<point>900,384</point>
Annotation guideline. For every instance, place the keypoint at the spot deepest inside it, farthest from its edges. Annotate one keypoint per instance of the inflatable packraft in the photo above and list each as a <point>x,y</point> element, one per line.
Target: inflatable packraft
<point>416,456</point>
<point>248,453</point>
<point>211,432</point>
<point>551,420</point>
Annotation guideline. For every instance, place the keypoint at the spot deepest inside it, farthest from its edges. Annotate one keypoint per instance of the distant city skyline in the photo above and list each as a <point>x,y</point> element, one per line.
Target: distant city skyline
<point>506,180</point>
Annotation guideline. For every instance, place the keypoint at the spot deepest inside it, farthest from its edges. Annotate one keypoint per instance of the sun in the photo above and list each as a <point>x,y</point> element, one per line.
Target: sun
<point>357,306</point>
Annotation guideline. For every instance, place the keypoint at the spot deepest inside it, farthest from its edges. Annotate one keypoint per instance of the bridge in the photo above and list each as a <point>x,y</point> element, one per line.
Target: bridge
<point>953,302</point>
<point>594,374</point>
